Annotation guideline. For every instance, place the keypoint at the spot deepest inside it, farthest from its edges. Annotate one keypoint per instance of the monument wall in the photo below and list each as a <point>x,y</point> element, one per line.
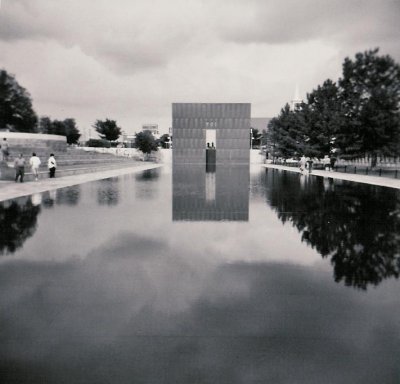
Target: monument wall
<point>231,122</point>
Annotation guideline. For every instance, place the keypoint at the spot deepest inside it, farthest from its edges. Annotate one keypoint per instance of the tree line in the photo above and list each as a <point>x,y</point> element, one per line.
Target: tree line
<point>357,116</point>
<point>17,115</point>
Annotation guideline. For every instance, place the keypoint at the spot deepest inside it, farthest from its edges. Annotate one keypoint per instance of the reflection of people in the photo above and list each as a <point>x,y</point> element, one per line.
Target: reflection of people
<point>310,163</point>
<point>35,162</point>
<point>303,161</point>
<point>52,165</point>
<point>19,165</point>
<point>327,163</point>
<point>4,150</point>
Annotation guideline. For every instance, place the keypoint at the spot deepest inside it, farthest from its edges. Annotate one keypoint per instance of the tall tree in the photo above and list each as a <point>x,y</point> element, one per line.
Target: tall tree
<point>71,131</point>
<point>66,127</point>
<point>370,89</point>
<point>16,111</point>
<point>322,118</point>
<point>146,142</point>
<point>286,133</point>
<point>107,129</point>
<point>45,125</point>
<point>165,140</point>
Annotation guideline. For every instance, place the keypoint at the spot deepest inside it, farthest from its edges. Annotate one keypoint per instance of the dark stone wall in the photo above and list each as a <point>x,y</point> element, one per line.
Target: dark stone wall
<point>231,122</point>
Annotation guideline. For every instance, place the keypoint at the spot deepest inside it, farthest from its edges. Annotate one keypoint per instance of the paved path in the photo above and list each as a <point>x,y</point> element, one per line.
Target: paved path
<point>11,189</point>
<point>375,180</point>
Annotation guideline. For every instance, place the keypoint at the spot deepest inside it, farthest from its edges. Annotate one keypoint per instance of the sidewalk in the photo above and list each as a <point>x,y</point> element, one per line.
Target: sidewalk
<point>11,189</point>
<point>374,180</point>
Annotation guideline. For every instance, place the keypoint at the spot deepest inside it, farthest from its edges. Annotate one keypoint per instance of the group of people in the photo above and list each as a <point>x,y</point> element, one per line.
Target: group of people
<point>34,162</point>
<point>306,162</point>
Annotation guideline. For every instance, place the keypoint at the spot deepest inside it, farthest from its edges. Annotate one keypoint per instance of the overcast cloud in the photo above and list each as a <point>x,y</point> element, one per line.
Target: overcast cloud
<point>129,60</point>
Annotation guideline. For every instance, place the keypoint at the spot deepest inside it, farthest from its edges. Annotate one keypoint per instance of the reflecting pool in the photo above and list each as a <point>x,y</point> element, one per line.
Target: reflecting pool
<point>179,276</point>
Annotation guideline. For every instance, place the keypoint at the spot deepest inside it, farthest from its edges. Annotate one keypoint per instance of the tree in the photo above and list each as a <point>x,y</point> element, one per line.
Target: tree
<point>16,111</point>
<point>107,129</point>
<point>71,131</point>
<point>255,137</point>
<point>164,140</point>
<point>322,119</point>
<point>66,127</point>
<point>370,92</point>
<point>286,133</point>
<point>146,142</point>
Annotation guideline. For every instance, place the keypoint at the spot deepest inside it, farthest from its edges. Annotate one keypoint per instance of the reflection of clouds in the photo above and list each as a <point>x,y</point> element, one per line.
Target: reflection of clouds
<point>151,314</point>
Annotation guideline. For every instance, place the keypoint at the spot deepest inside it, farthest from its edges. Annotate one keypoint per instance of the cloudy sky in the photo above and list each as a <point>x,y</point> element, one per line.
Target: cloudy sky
<point>128,60</point>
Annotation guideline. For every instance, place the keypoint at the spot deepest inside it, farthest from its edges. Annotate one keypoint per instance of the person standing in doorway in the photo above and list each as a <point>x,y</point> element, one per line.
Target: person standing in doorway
<point>52,165</point>
<point>35,162</point>
<point>19,165</point>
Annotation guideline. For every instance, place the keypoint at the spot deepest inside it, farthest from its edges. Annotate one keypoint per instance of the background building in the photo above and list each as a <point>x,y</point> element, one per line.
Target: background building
<point>152,128</point>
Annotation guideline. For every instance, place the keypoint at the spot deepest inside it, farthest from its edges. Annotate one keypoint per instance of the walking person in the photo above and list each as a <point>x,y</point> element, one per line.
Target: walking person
<point>35,162</point>
<point>327,163</point>
<point>303,162</point>
<point>52,165</point>
<point>4,149</point>
<point>19,165</point>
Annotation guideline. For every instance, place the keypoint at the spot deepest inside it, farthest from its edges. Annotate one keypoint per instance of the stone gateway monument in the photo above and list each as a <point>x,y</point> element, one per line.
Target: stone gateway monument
<point>215,132</point>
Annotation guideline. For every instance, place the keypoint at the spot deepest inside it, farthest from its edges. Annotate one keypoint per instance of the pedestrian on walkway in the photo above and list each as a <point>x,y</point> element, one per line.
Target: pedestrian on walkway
<point>5,149</point>
<point>19,165</point>
<point>327,163</point>
<point>303,162</point>
<point>52,165</point>
<point>35,162</point>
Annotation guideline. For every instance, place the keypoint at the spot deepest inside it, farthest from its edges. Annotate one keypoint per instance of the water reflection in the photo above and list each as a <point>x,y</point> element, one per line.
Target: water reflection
<point>68,196</point>
<point>18,222</point>
<point>162,318</point>
<point>203,196</point>
<point>108,191</point>
<point>358,228</point>
<point>147,188</point>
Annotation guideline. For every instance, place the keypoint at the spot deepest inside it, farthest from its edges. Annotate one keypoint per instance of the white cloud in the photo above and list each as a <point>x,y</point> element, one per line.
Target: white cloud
<point>129,60</point>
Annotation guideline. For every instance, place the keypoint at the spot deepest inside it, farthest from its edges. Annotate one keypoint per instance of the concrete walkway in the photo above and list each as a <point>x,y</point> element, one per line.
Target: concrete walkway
<point>374,180</point>
<point>11,189</point>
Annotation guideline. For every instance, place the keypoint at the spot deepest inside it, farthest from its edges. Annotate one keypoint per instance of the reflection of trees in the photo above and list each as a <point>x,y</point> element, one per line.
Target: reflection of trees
<point>108,192</point>
<point>144,188</point>
<point>69,195</point>
<point>357,226</point>
<point>148,175</point>
<point>18,219</point>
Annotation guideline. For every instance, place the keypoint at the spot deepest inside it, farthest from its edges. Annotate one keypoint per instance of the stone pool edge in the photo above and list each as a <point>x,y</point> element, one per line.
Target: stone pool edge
<point>373,180</point>
<point>11,190</point>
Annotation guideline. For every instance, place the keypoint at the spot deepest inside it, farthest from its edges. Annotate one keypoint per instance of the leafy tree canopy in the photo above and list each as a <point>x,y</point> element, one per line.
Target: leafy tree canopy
<point>359,116</point>
<point>16,111</point>
<point>146,142</point>
<point>66,127</point>
<point>107,129</point>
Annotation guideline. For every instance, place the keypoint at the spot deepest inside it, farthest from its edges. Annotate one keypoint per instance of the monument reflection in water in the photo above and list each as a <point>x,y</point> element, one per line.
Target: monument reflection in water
<point>211,161</point>
<point>221,194</point>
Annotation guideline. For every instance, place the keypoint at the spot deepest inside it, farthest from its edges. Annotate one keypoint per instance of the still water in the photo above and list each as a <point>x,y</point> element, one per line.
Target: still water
<point>185,276</point>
